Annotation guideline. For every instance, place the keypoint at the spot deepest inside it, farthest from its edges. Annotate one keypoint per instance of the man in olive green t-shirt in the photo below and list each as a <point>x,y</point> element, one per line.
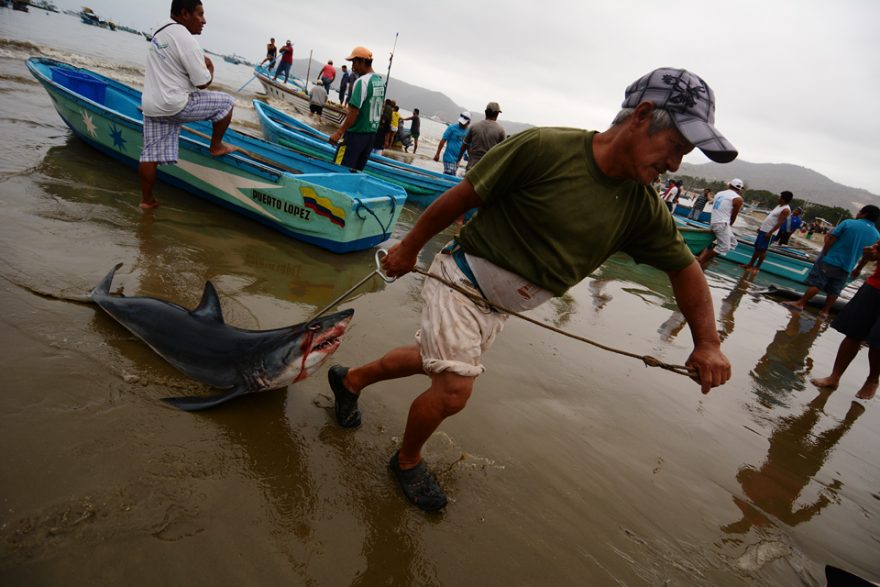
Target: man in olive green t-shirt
<point>554,204</point>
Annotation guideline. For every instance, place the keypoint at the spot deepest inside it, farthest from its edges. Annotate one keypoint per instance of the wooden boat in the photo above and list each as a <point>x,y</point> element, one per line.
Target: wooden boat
<point>294,93</point>
<point>780,261</point>
<point>300,197</point>
<point>422,186</point>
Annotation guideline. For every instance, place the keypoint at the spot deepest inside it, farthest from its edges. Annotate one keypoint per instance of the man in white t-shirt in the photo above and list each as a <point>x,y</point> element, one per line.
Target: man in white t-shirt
<point>176,74</point>
<point>771,224</point>
<point>725,208</point>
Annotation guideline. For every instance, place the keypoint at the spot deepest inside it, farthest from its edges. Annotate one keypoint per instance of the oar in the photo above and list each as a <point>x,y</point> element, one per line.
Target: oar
<point>254,156</point>
<point>253,77</point>
<point>396,165</point>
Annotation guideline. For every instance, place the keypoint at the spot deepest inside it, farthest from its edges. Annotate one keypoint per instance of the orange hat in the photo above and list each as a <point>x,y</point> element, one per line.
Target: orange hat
<point>361,52</point>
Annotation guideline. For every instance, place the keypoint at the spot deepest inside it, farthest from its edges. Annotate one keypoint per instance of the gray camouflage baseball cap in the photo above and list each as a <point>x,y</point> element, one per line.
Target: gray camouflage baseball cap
<point>690,102</point>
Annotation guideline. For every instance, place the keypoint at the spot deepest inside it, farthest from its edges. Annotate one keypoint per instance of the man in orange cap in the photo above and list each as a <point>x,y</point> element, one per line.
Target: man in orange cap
<point>364,107</point>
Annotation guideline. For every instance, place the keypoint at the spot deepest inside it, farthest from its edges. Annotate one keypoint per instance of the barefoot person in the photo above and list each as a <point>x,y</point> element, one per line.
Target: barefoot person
<point>725,209</point>
<point>177,73</point>
<point>859,322</point>
<point>774,221</point>
<point>554,204</point>
<point>841,251</point>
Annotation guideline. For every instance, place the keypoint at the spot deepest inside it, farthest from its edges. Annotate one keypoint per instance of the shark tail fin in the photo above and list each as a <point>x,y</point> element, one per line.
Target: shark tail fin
<point>194,403</point>
<point>103,288</point>
<point>209,307</point>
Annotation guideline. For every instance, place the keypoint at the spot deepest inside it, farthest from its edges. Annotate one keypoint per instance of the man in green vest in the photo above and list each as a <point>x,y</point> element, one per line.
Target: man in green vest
<point>364,110</point>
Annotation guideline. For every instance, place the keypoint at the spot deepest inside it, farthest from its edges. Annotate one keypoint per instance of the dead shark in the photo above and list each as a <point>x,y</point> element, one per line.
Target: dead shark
<point>199,344</point>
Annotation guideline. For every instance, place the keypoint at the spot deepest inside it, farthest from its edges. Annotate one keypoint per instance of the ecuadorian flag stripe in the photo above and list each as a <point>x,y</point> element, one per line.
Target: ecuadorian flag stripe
<point>322,206</point>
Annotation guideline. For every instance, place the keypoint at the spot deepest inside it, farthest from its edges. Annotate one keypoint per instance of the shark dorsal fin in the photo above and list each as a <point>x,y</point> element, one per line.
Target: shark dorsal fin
<point>209,307</point>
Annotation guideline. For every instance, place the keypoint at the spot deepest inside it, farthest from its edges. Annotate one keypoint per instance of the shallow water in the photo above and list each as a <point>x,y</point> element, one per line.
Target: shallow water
<point>570,466</point>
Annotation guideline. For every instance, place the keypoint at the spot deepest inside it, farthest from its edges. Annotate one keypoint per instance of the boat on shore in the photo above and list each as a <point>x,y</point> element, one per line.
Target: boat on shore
<point>422,186</point>
<point>294,92</point>
<point>780,261</point>
<point>297,196</point>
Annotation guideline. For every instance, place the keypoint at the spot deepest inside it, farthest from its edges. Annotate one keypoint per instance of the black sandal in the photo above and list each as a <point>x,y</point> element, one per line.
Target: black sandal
<point>346,403</point>
<point>418,485</point>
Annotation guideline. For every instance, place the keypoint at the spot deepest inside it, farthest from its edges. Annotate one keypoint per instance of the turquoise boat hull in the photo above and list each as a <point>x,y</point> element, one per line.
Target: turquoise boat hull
<point>300,197</point>
<point>780,262</point>
<point>422,186</point>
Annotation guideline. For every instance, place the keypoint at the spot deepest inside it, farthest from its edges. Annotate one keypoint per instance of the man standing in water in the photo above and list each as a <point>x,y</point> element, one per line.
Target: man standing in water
<point>725,209</point>
<point>364,108</point>
<point>176,75</point>
<point>774,221</point>
<point>482,136</point>
<point>554,204</point>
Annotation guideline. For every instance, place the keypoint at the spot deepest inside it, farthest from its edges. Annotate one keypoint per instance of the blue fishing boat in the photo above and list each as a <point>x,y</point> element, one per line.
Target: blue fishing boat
<point>300,197</point>
<point>783,262</point>
<point>422,186</point>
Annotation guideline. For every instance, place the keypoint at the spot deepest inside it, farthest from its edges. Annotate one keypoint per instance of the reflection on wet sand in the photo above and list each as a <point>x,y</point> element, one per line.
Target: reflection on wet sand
<point>797,452</point>
<point>781,369</point>
<point>731,302</point>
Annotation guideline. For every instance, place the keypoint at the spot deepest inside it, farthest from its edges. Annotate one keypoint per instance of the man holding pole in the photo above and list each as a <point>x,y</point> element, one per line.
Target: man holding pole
<point>554,204</point>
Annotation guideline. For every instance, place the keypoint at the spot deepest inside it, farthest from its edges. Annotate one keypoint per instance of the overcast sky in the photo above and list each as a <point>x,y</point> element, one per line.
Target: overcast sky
<point>795,80</point>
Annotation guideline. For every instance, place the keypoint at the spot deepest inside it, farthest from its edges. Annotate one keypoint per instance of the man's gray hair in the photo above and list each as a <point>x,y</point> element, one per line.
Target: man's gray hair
<point>660,119</point>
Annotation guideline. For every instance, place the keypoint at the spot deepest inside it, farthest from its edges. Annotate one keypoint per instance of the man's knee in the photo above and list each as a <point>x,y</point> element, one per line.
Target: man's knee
<point>455,390</point>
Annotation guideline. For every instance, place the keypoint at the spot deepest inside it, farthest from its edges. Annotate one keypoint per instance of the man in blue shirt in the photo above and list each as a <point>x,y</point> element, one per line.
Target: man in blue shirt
<point>843,249</point>
<point>453,137</point>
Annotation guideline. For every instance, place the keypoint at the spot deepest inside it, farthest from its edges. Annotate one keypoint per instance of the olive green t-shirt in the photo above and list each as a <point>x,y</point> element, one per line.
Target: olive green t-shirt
<point>551,216</point>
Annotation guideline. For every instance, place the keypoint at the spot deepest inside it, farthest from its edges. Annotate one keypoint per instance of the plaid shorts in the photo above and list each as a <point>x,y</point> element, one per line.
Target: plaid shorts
<point>450,167</point>
<point>162,133</point>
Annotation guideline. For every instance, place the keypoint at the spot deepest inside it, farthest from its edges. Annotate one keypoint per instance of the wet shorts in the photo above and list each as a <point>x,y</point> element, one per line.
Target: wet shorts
<point>162,133</point>
<point>762,241</point>
<point>860,318</point>
<point>828,278</point>
<point>724,238</point>
<point>455,331</point>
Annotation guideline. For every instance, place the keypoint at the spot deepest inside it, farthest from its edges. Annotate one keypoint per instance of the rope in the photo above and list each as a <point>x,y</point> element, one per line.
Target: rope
<point>648,360</point>
<point>360,205</point>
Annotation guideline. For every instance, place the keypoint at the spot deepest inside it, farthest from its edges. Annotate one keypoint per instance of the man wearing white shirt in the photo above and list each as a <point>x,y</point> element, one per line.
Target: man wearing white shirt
<point>176,74</point>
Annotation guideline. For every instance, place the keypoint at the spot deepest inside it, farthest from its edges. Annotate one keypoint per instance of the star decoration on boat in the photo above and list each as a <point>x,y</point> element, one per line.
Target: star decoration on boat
<point>116,135</point>
<point>90,124</point>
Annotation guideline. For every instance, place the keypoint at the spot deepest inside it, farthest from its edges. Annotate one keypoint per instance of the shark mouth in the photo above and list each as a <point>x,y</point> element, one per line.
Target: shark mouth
<point>320,342</point>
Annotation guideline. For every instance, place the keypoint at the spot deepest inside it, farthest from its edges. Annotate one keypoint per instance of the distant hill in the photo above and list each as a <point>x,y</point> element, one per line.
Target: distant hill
<point>431,104</point>
<point>775,177</point>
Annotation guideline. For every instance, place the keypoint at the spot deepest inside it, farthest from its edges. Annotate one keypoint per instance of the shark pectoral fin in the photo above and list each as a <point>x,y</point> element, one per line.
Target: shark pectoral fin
<point>194,403</point>
<point>209,307</point>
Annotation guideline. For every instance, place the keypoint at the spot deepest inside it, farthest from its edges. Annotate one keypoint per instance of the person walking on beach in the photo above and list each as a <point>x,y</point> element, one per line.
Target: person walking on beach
<point>482,136</point>
<point>791,225</point>
<point>554,204</point>
<point>453,137</point>
<point>362,120</point>
<point>700,204</point>
<point>343,84</point>
<point>286,61</point>
<point>840,253</point>
<point>271,54</point>
<point>415,128</point>
<point>859,322</point>
<point>317,99</point>
<point>775,219</point>
<point>725,209</point>
<point>327,75</point>
<point>177,74</point>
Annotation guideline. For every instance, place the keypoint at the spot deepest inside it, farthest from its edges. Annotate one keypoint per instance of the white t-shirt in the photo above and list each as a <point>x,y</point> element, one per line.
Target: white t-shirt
<point>722,207</point>
<point>175,67</point>
<point>670,195</point>
<point>773,217</point>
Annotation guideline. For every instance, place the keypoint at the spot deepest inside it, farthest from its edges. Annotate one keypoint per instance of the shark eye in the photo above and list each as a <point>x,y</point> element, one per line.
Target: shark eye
<point>314,327</point>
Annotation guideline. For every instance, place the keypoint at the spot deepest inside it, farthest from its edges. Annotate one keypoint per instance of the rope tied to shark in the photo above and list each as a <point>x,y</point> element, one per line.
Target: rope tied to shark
<point>648,360</point>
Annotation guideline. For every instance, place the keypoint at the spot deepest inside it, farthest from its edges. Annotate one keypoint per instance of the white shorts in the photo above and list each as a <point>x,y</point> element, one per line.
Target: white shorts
<point>725,240</point>
<point>455,331</point>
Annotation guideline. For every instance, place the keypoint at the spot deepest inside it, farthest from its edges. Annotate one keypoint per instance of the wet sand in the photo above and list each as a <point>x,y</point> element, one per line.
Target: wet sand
<point>570,466</point>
